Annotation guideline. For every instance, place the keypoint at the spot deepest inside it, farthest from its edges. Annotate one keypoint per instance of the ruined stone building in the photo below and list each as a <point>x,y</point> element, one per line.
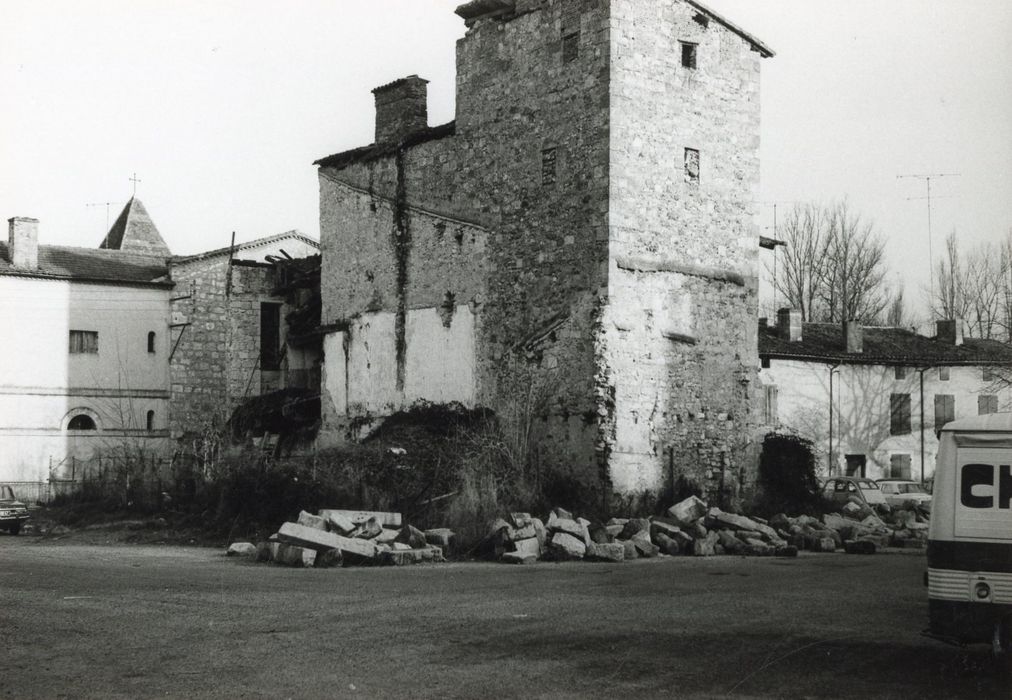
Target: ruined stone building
<point>125,348</point>
<point>575,251</point>
<point>872,400</point>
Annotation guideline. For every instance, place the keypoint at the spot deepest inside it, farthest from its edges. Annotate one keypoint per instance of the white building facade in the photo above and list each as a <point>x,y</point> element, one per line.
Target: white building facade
<point>873,399</point>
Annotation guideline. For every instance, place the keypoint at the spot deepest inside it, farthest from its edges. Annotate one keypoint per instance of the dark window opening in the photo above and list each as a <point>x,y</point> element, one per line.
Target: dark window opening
<point>988,374</point>
<point>702,20</point>
<point>84,342</point>
<point>856,465</point>
<point>899,414</point>
<point>151,420</point>
<point>81,422</point>
<point>151,341</point>
<point>548,158</point>
<point>270,336</point>
<point>570,47</point>
<point>691,165</point>
<point>987,403</point>
<point>688,54</point>
<point>901,372</point>
<point>945,409</point>
<point>943,374</point>
<point>765,362</point>
<point>899,466</point>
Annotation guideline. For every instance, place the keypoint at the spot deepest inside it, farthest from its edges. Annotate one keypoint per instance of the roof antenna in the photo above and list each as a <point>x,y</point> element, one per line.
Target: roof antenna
<point>99,204</point>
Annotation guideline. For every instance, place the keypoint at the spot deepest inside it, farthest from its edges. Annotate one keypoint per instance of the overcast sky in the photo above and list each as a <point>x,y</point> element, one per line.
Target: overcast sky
<point>220,107</point>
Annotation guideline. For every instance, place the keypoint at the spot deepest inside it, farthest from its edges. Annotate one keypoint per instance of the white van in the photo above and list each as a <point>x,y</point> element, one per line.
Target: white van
<point>970,538</point>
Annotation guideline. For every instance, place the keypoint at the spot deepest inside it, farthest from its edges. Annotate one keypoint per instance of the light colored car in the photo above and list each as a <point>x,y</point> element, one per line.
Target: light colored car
<point>899,491</point>
<point>842,488</point>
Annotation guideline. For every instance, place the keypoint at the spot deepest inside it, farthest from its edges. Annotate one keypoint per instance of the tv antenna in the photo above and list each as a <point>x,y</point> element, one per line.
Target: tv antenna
<point>927,180</point>
<point>102,204</point>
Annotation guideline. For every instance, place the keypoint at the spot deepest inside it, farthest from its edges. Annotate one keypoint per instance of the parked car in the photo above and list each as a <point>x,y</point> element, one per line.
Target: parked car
<point>13,513</point>
<point>842,488</point>
<point>899,491</point>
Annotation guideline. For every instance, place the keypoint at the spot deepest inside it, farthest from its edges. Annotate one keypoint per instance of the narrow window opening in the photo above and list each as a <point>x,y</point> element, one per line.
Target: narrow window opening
<point>81,422</point>
<point>151,342</point>
<point>83,342</point>
<point>899,414</point>
<point>702,20</point>
<point>901,372</point>
<point>765,362</point>
<point>570,47</point>
<point>548,159</point>
<point>270,336</point>
<point>987,374</point>
<point>688,54</point>
<point>151,420</point>
<point>943,374</point>
<point>692,165</point>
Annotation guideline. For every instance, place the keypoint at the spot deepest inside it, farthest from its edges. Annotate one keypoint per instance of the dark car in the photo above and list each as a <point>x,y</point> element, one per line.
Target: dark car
<point>13,513</point>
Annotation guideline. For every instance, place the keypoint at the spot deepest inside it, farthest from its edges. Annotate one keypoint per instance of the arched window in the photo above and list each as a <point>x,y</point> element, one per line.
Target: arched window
<point>151,341</point>
<point>151,420</point>
<point>81,422</point>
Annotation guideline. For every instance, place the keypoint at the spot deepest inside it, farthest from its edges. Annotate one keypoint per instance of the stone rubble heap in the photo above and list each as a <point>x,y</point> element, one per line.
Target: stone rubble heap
<point>693,528</point>
<point>343,537</point>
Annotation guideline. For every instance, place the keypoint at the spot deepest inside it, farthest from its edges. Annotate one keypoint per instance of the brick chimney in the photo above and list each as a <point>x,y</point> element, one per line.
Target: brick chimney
<point>401,108</point>
<point>853,337</point>
<point>949,331</point>
<point>23,242</point>
<point>789,325</point>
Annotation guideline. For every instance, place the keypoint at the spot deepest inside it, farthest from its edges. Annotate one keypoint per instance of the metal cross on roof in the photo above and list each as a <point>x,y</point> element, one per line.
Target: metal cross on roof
<point>135,181</point>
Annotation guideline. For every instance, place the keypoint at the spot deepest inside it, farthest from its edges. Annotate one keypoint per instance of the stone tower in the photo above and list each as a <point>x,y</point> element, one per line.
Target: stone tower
<point>575,251</point>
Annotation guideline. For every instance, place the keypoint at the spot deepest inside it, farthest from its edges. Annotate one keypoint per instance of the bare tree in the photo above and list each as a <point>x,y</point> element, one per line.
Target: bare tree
<point>976,286</point>
<point>833,267</point>
<point>803,261</point>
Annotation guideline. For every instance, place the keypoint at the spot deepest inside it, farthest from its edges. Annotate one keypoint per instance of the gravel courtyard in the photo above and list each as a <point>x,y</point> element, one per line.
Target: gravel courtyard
<point>83,620</point>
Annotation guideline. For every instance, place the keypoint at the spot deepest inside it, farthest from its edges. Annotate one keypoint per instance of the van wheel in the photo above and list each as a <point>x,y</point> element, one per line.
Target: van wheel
<point>15,529</point>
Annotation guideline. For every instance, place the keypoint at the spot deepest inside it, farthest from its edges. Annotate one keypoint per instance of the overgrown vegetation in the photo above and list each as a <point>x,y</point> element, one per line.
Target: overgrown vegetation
<point>787,482</point>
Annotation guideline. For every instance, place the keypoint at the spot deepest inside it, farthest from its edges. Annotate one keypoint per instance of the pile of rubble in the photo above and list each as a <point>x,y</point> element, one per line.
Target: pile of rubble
<point>692,528</point>
<point>344,537</point>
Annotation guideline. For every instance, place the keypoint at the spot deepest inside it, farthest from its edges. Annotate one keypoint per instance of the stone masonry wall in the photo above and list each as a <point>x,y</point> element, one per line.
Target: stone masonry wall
<point>528,164</point>
<point>679,343</point>
<point>214,359</point>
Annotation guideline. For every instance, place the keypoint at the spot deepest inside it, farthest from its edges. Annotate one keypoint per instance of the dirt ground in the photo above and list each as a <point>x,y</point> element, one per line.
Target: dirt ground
<point>86,620</point>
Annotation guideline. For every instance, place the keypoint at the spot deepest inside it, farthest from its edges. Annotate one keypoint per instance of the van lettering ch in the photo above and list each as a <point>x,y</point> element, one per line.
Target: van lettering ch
<point>982,476</point>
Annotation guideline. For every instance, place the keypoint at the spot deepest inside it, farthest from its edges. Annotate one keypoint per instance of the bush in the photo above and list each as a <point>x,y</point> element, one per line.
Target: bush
<point>787,482</point>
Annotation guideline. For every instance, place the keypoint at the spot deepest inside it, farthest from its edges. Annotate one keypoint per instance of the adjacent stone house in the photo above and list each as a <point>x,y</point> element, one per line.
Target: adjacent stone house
<point>575,251</point>
<point>873,399</point>
<point>119,349</point>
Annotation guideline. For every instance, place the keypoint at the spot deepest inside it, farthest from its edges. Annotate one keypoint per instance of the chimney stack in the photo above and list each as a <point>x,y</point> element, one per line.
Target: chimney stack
<point>401,108</point>
<point>789,325</point>
<point>949,331</point>
<point>853,336</point>
<point>23,242</point>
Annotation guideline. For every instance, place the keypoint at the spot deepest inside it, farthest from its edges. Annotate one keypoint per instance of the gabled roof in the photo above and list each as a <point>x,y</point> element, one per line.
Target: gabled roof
<point>764,50</point>
<point>248,245</point>
<point>135,231</point>
<point>823,342</point>
<point>364,154</point>
<point>92,265</point>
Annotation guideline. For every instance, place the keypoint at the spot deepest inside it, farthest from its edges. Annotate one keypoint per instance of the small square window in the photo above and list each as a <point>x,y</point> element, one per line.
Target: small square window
<point>986,404</point>
<point>987,374</point>
<point>691,165</point>
<point>765,362</point>
<point>943,374</point>
<point>901,372</point>
<point>83,342</point>
<point>570,47</point>
<point>688,54</point>
<point>548,158</point>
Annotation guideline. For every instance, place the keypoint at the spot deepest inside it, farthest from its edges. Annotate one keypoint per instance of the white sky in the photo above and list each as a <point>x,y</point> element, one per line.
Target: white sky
<point>221,107</point>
